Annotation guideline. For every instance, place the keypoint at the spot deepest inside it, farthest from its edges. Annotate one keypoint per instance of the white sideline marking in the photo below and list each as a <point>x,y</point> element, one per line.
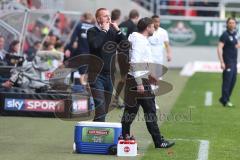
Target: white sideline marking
<point>203,148</point>
<point>208,98</point>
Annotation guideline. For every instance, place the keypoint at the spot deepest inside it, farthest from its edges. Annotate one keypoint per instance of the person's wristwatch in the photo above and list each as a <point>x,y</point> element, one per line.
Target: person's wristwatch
<point>119,32</point>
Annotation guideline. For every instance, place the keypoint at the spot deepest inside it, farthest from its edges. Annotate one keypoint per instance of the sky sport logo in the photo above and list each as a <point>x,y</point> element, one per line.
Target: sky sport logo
<point>34,105</point>
<point>14,104</point>
<point>44,105</point>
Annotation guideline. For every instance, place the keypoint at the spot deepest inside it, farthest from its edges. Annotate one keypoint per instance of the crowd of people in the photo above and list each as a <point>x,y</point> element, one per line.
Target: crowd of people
<point>179,7</point>
<point>185,7</point>
<point>144,43</point>
<point>41,37</point>
<point>131,37</point>
<point>66,35</point>
<point>88,37</point>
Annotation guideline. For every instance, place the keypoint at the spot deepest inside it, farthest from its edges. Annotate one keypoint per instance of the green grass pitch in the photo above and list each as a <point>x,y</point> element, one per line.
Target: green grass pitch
<point>186,117</point>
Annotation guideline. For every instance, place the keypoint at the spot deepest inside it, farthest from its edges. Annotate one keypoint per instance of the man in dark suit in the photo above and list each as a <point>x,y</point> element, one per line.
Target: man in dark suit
<point>105,32</point>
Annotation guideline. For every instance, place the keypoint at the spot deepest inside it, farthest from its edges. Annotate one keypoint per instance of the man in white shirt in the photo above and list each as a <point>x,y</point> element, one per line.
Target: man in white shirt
<point>159,43</point>
<point>138,89</point>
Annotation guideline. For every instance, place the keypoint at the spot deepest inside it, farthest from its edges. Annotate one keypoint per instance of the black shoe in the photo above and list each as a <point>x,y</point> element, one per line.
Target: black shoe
<point>222,102</point>
<point>165,144</point>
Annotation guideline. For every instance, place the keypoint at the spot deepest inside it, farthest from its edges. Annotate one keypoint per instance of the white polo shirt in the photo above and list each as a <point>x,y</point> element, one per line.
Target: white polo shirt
<point>157,44</point>
<point>140,52</point>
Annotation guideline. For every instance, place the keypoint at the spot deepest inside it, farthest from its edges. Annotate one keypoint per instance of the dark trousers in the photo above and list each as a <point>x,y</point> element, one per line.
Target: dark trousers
<point>148,105</point>
<point>102,92</point>
<point>229,77</point>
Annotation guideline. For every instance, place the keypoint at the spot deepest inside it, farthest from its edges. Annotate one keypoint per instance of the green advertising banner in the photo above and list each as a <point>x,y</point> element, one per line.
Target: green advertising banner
<point>97,135</point>
<point>194,32</point>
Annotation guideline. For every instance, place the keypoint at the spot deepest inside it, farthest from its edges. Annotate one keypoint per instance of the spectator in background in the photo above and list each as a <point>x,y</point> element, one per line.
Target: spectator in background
<point>29,76</point>
<point>2,51</point>
<point>190,11</point>
<point>130,26</point>
<point>176,3</point>
<point>79,44</point>
<point>61,22</point>
<point>62,27</point>
<point>48,46</point>
<point>52,42</point>
<point>205,13</point>
<point>14,47</point>
<point>34,33</point>
<point>115,16</point>
<point>13,57</point>
<point>164,3</point>
<point>50,49</point>
<point>31,52</point>
<point>53,39</point>
<point>80,34</point>
<point>59,46</point>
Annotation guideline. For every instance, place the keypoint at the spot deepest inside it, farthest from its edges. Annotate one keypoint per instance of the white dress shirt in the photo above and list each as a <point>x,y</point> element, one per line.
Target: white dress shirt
<point>140,52</point>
